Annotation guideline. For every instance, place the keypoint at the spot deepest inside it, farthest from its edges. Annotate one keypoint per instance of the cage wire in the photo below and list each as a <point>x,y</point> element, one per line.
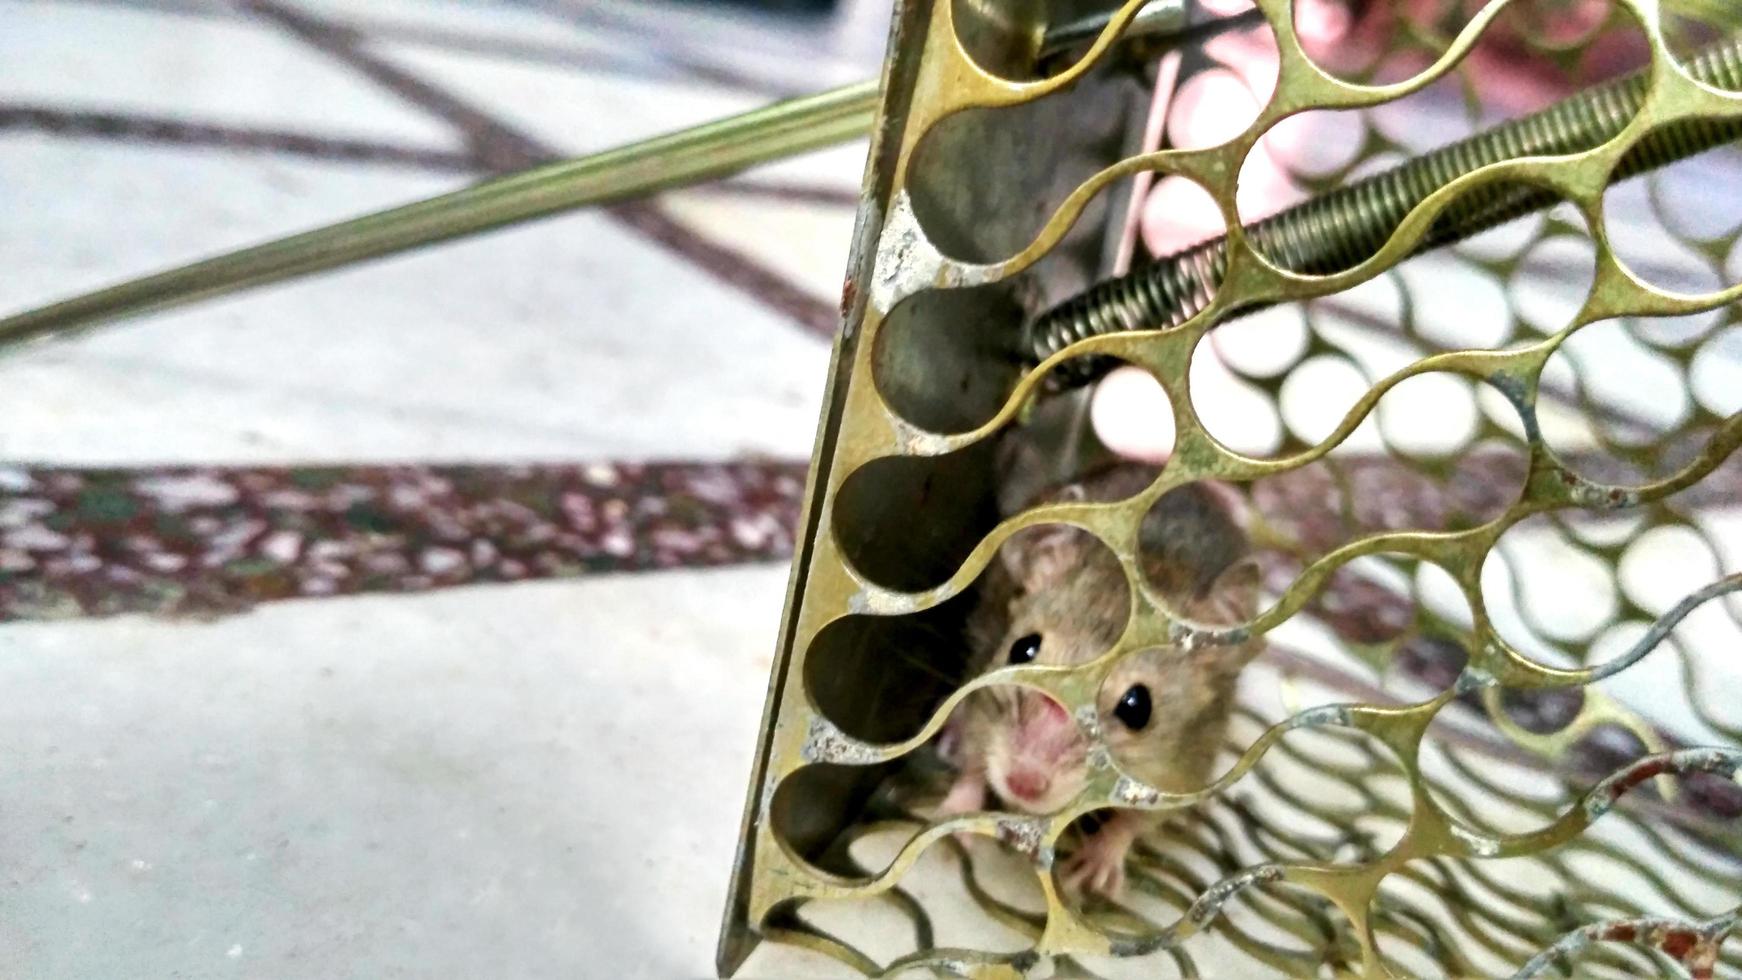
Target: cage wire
<point>1495,728</point>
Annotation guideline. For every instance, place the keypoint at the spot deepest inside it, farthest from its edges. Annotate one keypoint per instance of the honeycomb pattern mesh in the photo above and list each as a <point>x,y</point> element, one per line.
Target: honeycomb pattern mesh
<point>1489,486</point>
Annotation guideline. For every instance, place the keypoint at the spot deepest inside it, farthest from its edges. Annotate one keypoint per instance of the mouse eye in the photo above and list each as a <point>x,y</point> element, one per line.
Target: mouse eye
<point>1133,708</point>
<point>1025,649</point>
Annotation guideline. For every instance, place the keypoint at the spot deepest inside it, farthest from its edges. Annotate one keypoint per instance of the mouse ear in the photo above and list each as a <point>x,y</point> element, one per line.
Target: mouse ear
<point>1044,557</point>
<point>1233,597</point>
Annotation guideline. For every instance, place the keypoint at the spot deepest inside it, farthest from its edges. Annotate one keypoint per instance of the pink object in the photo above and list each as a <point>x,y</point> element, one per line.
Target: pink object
<point>1131,415</point>
<point>1027,784</point>
<point>1051,712</point>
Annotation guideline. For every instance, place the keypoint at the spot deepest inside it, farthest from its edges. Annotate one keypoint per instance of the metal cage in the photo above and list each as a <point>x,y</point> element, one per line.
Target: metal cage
<point>1481,420</point>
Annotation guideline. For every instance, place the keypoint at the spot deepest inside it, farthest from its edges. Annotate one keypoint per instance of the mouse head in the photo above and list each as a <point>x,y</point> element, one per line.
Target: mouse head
<point>1071,606</point>
<point>1164,710</point>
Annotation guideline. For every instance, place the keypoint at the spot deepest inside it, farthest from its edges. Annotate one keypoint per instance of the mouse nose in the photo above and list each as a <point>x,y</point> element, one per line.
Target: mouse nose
<point>1028,785</point>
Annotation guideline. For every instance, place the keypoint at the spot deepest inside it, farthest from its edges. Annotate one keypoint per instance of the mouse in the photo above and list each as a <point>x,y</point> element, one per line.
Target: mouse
<point>1056,595</point>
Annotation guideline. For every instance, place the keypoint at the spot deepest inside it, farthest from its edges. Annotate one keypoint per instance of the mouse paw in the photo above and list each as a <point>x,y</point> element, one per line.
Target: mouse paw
<point>1096,869</point>
<point>968,795</point>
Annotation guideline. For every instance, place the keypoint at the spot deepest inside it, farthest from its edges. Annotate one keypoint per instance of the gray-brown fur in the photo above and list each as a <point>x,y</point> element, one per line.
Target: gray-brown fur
<point>1062,585</point>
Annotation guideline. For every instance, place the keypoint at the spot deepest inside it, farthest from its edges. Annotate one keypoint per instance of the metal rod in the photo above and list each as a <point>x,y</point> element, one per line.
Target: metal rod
<point>1338,229</point>
<point>1163,17</point>
<point>707,152</point>
<point>710,151</point>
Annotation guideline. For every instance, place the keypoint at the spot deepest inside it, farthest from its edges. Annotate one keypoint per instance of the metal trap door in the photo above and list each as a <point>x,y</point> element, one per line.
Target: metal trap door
<point>1478,426</point>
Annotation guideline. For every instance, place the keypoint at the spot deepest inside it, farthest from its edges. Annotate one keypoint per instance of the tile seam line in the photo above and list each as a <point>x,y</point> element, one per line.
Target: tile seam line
<point>678,56</point>
<point>171,8</point>
<point>438,38</point>
<point>531,52</point>
<point>134,127</point>
<point>130,127</point>
<point>498,147</point>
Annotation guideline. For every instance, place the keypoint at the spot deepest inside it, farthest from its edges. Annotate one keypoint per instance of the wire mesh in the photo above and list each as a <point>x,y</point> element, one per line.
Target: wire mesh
<point>1492,488</point>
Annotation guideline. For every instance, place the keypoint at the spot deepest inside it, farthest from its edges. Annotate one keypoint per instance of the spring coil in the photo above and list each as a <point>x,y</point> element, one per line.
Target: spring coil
<point>1337,230</point>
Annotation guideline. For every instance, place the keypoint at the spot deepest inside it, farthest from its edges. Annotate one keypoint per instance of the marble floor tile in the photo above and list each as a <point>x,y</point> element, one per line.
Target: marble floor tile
<point>571,109</point>
<point>236,71</point>
<point>804,242</point>
<point>537,781</point>
<point>133,210</point>
<point>576,111</point>
<point>733,40</point>
<point>484,21</point>
<point>571,339</point>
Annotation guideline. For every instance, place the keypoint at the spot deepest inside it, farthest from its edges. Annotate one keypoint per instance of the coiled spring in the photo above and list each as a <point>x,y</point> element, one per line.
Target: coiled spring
<point>1338,230</point>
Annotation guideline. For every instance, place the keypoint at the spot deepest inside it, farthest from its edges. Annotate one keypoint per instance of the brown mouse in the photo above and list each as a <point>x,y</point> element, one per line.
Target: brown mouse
<point>1058,596</point>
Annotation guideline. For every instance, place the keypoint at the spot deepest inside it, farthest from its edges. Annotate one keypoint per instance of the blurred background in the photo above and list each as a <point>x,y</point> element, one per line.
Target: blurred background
<point>271,707</point>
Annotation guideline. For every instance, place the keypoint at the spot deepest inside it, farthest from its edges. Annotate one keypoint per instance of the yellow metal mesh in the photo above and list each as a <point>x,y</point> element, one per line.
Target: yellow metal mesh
<point>1481,554</point>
